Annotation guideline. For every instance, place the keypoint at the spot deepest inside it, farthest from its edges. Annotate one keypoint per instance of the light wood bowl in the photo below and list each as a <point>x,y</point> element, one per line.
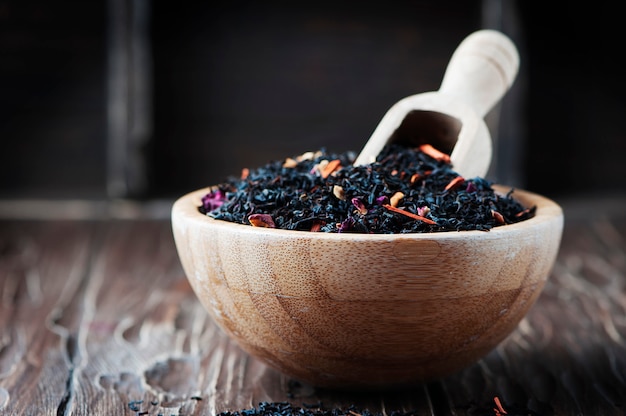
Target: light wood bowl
<point>367,311</point>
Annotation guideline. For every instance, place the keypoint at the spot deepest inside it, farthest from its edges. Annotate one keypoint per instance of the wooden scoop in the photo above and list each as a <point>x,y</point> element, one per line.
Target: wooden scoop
<point>480,71</point>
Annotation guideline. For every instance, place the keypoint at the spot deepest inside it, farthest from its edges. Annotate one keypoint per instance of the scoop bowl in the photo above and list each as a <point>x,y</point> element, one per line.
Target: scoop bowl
<point>480,72</point>
<point>362,310</point>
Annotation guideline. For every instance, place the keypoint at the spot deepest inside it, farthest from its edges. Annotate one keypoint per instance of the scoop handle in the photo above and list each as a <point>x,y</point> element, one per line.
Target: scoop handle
<point>481,70</point>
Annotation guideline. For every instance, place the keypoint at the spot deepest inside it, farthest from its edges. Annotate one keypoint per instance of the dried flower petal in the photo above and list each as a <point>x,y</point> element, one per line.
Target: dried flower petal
<point>306,156</point>
<point>396,198</point>
<point>497,216</point>
<point>245,172</point>
<point>339,192</point>
<point>454,183</point>
<point>345,225</point>
<point>415,177</point>
<point>319,168</point>
<point>317,225</point>
<point>526,211</point>
<point>381,200</point>
<point>261,220</point>
<point>213,200</point>
<point>290,163</point>
<point>423,211</point>
<point>499,410</point>
<point>330,167</point>
<point>360,206</point>
<point>434,153</point>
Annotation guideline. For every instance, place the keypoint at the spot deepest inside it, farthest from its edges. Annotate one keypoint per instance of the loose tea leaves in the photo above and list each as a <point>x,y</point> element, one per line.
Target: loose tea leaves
<point>287,409</point>
<point>404,191</point>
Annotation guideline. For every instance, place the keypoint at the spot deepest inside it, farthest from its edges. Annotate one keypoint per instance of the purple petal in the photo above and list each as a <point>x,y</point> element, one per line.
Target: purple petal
<point>213,200</point>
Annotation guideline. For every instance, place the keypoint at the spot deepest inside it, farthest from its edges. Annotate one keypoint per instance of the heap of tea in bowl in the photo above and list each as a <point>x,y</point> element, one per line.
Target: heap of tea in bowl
<point>406,190</point>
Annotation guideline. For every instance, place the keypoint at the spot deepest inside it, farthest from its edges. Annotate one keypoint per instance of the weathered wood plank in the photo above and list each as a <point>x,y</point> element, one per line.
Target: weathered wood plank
<point>98,318</point>
<point>41,270</point>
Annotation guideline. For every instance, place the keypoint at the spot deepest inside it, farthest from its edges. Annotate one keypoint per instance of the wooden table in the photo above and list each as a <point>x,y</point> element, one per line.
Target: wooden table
<point>97,318</point>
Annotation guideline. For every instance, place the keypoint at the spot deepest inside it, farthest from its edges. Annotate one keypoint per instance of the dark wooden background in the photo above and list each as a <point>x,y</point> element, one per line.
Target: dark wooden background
<point>212,88</point>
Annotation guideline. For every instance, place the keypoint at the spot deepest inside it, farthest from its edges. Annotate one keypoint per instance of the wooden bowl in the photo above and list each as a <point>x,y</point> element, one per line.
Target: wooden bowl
<point>363,310</point>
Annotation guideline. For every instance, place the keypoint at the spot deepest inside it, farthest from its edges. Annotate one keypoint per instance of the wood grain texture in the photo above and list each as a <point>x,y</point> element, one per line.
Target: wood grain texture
<point>359,310</point>
<point>96,315</point>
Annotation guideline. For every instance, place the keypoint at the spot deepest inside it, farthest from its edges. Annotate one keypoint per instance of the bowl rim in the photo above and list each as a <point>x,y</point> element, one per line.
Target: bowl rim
<point>185,209</point>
